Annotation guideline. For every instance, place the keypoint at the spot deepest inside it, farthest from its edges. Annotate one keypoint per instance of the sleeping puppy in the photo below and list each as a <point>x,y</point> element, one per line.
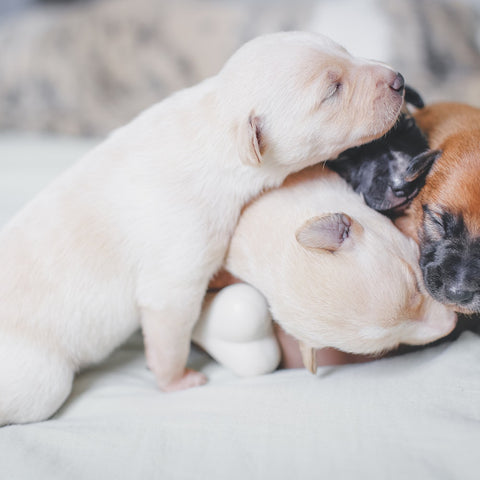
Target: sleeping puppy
<point>445,217</point>
<point>390,171</point>
<point>334,272</point>
<point>132,233</point>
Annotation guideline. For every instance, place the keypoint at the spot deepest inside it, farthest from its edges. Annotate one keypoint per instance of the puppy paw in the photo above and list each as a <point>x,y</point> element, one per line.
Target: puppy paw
<point>190,379</point>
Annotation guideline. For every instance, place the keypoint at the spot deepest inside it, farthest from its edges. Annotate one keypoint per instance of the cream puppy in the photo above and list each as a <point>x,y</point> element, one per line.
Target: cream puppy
<point>132,233</point>
<point>334,272</point>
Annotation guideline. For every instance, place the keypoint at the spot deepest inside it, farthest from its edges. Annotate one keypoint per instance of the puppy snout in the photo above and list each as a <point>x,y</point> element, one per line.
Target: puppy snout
<point>398,83</point>
<point>399,192</point>
<point>400,188</point>
<point>458,295</point>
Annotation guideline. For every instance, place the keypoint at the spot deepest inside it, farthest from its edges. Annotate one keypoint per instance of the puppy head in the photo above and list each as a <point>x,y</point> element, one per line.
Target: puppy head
<point>449,232</point>
<point>445,217</point>
<point>450,259</point>
<point>390,171</point>
<point>297,98</point>
<point>354,285</point>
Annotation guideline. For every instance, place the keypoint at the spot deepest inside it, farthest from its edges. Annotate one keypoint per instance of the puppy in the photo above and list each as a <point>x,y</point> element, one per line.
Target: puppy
<point>445,217</point>
<point>334,272</point>
<point>132,233</point>
<point>390,171</point>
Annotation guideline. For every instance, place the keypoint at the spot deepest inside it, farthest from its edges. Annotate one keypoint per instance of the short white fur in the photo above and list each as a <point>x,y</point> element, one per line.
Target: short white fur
<point>132,233</point>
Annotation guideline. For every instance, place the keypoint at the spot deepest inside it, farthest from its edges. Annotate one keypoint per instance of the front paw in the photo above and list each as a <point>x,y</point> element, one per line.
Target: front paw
<point>189,379</point>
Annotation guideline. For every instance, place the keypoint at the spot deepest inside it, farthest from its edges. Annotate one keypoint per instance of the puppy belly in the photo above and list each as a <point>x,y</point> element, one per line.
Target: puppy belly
<point>69,310</point>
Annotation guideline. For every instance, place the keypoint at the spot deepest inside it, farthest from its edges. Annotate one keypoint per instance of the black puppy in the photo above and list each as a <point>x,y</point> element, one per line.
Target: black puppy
<point>389,172</point>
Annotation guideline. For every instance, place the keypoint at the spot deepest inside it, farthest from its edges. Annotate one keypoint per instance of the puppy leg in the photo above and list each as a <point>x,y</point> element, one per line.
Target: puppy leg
<point>34,382</point>
<point>167,331</point>
<point>167,336</point>
<point>170,289</point>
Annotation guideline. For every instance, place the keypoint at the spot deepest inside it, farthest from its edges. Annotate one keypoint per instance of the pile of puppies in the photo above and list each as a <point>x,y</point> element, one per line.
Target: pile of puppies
<point>133,232</point>
<point>443,216</point>
<point>431,194</point>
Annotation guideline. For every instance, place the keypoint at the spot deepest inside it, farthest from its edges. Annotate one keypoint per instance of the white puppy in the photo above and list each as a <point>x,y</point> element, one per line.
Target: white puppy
<point>334,272</point>
<point>132,233</point>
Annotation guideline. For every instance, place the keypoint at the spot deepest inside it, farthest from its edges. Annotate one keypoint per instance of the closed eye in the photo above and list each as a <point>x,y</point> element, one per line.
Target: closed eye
<point>434,225</point>
<point>332,90</point>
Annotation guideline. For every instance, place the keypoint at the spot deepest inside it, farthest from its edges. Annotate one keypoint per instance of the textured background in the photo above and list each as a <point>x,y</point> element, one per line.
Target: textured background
<point>85,67</point>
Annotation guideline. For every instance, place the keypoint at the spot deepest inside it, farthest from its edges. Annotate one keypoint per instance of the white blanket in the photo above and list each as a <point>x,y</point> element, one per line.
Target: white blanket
<point>415,416</point>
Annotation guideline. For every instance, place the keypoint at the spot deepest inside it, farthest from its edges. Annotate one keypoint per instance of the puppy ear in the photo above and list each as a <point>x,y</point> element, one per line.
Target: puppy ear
<point>421,164</point>
<point>309,357</point>
<point>433,224</point>
<point>413,97</point>
<point>327,232</point>
<point>251,141</point>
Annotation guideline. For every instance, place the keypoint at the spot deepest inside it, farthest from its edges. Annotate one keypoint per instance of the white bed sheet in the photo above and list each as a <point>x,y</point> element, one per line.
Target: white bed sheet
<point>415,416</point>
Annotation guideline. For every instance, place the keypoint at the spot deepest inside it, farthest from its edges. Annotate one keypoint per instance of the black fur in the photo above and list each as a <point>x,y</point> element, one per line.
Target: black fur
<point>389,172</point>
<point>413,97</point>
<point>450,259</point>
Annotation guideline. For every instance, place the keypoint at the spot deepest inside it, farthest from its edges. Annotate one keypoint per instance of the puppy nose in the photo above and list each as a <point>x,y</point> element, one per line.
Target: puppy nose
<point>399,192</point>
<point>398,83</point>
<point>400,188</point>
<point>457,295</point>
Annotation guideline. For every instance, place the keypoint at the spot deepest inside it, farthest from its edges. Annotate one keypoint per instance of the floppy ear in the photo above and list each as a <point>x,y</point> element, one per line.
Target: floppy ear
<point>413,97</point>
<point>421,165</point>
<point>308,357</point>
<point>251,142</point>
<point>327,232</point>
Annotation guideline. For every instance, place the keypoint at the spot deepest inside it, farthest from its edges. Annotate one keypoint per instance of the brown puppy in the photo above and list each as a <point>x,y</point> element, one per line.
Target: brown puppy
<point>445,217</point>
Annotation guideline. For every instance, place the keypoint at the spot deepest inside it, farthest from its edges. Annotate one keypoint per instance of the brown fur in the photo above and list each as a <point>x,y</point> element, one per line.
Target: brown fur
<point>453,182</point>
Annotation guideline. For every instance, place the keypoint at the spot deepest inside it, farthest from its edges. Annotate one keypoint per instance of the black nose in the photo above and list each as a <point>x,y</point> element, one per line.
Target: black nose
<point>399,192</point>
<point>401,189</point>
<point>457,295</point>
<point>398,83</point>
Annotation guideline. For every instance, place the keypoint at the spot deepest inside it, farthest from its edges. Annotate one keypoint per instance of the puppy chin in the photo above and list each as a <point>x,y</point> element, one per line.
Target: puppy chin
<point>464,310</point>
<point>395,205</point>
<point>467,310</point>
<point>386,112</point>
<point>471,308</point>
<point>391,107</point>
<point>375,134</point>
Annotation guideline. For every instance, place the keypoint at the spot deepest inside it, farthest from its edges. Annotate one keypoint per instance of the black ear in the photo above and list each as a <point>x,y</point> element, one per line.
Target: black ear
<point>413,97</point>
<point>421,164</point>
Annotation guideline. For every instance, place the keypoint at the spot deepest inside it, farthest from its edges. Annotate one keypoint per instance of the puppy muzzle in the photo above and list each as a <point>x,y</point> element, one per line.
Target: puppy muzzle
<point>398,83</point>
